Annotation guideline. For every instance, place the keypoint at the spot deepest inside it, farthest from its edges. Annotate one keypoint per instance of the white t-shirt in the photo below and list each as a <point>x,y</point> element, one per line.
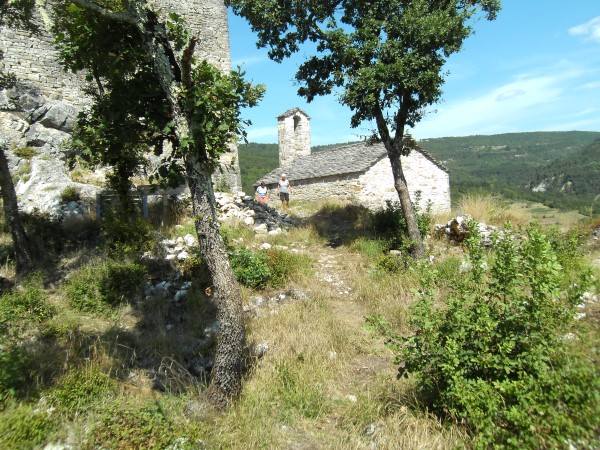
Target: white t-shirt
<point>262,191</point>
<point>283,185</point>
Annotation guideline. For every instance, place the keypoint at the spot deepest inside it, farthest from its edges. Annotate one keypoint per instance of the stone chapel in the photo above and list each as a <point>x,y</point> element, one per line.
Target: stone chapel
<point>358,172</point>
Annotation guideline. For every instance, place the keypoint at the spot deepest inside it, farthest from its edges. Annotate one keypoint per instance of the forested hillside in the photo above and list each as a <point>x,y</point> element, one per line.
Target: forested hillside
<point>565,164</point>
<point>513,164</point>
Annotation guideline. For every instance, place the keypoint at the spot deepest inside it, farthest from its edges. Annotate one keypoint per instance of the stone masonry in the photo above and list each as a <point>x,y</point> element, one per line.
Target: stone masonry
<point>293,127</point>
<point>33,59</point>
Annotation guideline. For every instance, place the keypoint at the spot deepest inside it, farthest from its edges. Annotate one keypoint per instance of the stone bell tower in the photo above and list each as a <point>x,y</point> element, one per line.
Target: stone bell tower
<point>294,135</point>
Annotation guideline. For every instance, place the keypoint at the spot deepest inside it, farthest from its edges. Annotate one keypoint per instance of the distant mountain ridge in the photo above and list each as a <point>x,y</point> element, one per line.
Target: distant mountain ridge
<point>560,169</point>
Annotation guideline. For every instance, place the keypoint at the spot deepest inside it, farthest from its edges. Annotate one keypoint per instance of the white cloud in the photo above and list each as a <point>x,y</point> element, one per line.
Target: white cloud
<point>512,107</point>
<point>590,29</point>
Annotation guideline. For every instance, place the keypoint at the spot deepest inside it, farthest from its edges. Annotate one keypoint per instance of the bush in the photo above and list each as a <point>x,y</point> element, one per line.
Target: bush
<point>251,269</point>
<point>101,286</point>
<point>25,428</point>
<point>26,302</point>
<point>495,356</point>
<point>80,388</point>
<point>283,265</point>
<point>124,234</point>
<point>70,194</point>
<point>391,221</point>
<point>134,426</point>
<point>12,372</point>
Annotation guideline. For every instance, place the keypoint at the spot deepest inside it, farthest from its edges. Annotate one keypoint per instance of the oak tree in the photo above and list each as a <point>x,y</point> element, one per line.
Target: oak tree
<point>125,44</point>
<point>383,58</point>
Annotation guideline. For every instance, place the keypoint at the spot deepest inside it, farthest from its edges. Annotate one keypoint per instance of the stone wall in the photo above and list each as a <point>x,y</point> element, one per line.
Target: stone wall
<point>294,136</point>
<point>375,186</point>
<point>33,59</point>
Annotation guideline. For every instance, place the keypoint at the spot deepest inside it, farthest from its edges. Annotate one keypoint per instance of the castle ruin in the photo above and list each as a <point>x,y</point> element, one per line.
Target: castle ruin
<point>33,59</point>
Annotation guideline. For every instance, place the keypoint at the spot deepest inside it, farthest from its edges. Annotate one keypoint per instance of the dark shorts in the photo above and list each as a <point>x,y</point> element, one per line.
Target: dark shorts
<point>284,196</point>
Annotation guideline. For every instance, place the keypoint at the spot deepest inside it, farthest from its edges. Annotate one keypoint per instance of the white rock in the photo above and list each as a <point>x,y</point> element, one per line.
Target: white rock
<point>249,220</point>
<point>352,398</point>
<point>189,240</point>
<point>170,257</point>
<point>265,246</point>
<point>183,255</point>
<point>275,232</point>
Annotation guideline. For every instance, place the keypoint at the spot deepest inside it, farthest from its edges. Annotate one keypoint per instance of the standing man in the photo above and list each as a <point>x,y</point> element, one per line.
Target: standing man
<point>284,190</point>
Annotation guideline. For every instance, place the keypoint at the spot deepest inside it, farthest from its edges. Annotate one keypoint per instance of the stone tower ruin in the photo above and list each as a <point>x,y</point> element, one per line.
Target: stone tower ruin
<point>293,127</point>
<point>33,59</point>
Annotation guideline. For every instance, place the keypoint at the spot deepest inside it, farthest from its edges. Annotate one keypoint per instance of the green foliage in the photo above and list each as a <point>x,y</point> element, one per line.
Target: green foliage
<point>26,302</point>
<point>100,286</point>
<point>128,425</point>
<point>256,160</point>
<point>283,265</point>
<point>79,389</point>
<point>23,427</point>
<point>250,268</point>
<point>125,234</point>
<point>390,221</point>
<point>25,152</point>
<point>45,232</point>
<point>495,356</point>
<point>13,363</point>
<point>70,194</point>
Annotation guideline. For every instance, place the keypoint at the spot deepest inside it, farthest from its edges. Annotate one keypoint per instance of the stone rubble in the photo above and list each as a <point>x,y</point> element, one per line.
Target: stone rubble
<point>456,230</point>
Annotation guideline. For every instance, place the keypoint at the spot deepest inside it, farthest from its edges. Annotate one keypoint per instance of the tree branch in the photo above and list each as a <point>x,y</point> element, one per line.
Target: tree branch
<point>105,13</point>
<point>186,62</point>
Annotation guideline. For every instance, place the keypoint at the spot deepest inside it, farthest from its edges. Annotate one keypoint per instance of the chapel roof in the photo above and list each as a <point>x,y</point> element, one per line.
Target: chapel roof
<point>349,159</point>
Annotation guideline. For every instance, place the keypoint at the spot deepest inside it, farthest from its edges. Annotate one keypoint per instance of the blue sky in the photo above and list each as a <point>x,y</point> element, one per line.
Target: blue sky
<point>535,68</point>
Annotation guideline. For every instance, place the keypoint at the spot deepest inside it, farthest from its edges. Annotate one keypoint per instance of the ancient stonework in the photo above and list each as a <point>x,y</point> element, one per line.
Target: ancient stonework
<point>357,172</point>
<point>33,59</point>
<point>293,127</point>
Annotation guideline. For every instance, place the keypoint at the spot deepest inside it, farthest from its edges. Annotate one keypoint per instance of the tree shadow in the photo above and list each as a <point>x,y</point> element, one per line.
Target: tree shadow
<point>341,224</point>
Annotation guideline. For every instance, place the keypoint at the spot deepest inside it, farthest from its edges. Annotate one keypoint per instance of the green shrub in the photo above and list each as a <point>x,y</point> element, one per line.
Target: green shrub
<point>45,232</point>
<point>283,265</point>
<point>13,363</point>
<point>495,356</point>
<point>70,194</point>
<point>26,302</point>
<point>24,428</point>
<point>124,234</point>
<point>100,286</point>
<point>80,388</point>
<point>250,268</point>
<point>124,425</point>
<point>390,221</point>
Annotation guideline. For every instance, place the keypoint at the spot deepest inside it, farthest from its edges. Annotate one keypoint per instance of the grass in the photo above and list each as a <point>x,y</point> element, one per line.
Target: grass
<point>119,377</point>
<point>492,210</point>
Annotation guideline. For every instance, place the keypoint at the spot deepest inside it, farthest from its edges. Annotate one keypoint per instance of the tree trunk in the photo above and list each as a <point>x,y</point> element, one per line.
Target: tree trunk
<point>417,249</point>
<point>395,149</point>
<point>23,255</point>
<point>227,372</point>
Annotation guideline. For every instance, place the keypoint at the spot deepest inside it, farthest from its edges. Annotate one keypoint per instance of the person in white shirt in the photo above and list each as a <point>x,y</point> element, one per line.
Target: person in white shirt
<point>284,190</point>
<point>262,193</point>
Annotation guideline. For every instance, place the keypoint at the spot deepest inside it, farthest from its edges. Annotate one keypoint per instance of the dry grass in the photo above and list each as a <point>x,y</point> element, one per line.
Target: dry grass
<point>492,210</point>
